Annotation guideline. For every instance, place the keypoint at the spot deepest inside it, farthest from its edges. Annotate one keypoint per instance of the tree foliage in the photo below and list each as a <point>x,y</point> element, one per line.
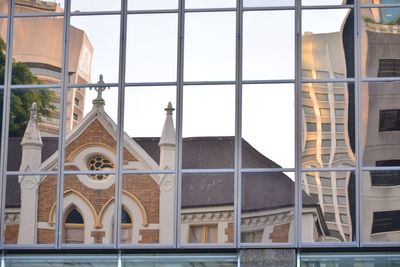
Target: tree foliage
<point>21,99</point>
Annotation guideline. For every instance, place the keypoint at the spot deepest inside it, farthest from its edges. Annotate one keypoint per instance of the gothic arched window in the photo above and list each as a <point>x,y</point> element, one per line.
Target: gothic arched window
<point>74,227</point>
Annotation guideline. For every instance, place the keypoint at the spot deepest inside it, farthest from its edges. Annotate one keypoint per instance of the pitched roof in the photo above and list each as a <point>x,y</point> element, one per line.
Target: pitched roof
<point>260,191</point>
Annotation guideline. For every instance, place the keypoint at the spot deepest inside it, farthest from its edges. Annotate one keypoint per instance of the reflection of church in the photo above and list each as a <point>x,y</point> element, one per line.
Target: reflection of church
<point>148,200</point>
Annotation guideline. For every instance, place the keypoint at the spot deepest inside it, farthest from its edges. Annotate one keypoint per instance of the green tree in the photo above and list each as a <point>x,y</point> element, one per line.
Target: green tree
<point>22,99</point>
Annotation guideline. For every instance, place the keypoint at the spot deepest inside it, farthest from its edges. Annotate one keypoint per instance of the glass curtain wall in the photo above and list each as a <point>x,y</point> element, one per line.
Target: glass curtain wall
<point>199,124</point>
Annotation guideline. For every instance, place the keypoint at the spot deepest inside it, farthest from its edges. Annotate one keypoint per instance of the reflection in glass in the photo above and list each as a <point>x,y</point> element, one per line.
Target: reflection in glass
<point>101,5</point>
<point>380,42</point>
<point>267,208</point>
<point>208,126</point>
<point>267,3</point>
<point>151,48</point>
<point>93,144</point>
<point>327,48</point>
<point>37,53</point>
<point>23,6</point>
<point>380,207</point>
<point>72,261</point>
<point>326,2</point>
<point>209,46</point>
<point>147,209</point>
<point>169,262</point>
<point>329,197</point>
<point>275,133</point>
<point>91,53</point>
<point>328,124</point>
<point>207,208</point>
<point>381,120</point>
<point>30,207</point>
<point>88,208</point>
<point>209,3</point>
<point>33,128</point>
<point>268,53</point>
<point>151,145</point>
<point>152,4</point>
<point>349,260</point>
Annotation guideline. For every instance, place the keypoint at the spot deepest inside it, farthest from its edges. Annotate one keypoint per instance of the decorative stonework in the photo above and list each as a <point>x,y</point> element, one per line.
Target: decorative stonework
<point>12,217</point>
<point>223,216</point>
<point>269,219</point>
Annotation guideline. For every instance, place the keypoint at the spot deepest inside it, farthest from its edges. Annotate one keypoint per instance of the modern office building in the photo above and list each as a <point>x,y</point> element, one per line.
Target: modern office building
<point>279,146</point>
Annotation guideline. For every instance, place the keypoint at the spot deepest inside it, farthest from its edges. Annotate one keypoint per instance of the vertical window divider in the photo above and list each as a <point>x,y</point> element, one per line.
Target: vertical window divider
<point>6,114</point>
<point>358,121</point>
<point>298,139</point>
<point>120,124</point>
<point>61,134</point>
<point>179,119</point>
<point>238,122</point>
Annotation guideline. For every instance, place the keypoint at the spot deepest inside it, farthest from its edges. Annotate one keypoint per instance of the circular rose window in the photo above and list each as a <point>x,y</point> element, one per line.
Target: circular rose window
<point>99,163</point>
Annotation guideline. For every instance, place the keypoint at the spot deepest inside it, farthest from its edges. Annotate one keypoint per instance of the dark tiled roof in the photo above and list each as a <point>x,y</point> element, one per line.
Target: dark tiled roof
<point>260,191</point>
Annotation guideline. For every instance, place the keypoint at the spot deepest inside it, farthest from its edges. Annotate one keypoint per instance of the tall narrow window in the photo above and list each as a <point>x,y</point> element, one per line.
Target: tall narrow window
<point>126,227</point>
<point>74,227</point>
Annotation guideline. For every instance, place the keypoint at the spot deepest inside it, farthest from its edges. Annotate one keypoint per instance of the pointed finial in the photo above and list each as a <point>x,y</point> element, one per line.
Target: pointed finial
<point>99,101</point>
<point>169,109</point>
<point>34,111</point>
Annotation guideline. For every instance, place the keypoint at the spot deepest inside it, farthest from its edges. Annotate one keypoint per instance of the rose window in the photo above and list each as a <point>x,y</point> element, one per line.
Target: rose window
<point>99,163</point>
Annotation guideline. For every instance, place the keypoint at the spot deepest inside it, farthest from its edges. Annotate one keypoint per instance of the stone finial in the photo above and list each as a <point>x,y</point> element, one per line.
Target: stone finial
<point>34,111</point>
<point>32,133</point>
<point>169,109</point>
<point>99,101</point>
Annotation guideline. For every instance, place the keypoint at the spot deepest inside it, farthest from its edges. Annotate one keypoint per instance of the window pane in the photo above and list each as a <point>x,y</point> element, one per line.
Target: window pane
<point>380,42</point>
<point>73,261</point>
<point>265,196</point>
<point>152,4</point>
<point>23,6</point>
<point>207,208</point>
<point>149,200</point>
<point>325,127</point>
<point>209,3</point>
<point>267,3</point>
<point>93,144</point>
<point>151,48</point>
<point>327,2</point>
<point>30,207</point>
<point>209,46</point>
<point>381,123</point>
<point>268,53</point>
<point>37,52</point>
<point>328,48</point>
<point>161,261</point>
<point>144,150</point>
<point>334,202</point>
<point>101,5</point>
<point>264,141</point>
<point>208,127</point>
<point>34,122</point>
<point>92,53</point>
<point>380,208</point>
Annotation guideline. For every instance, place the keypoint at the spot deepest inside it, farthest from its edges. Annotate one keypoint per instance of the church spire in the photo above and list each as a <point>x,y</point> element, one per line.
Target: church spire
<point>32,133</point>
<point>167,140</point>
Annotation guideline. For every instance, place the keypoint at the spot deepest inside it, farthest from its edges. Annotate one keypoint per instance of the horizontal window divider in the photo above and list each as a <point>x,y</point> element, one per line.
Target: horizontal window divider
<point>381,79</point>
<point>208,171</point>
<point>209,83</point>
<point>88,85</point>
<point>31,173</point>
<point>219,9</point>
<point>347,80</point>
<point>268,8</point>
<point>381,168</point>
<point>338,169</point>
<point>35,86</point>
<point>61,257</point>
<point>87,246</point>
<point>113,172</point>
<point>30,246</point>
<point>172,171</point>
<point>328,244</point>
<point>256,170</point>
<point>380,244</point>
<point>32,15</point>
<point>268,81</point>
<point>94,13</point>
<point>3,16</point>
<point>267,245</point>
<point>206,246</point>
<point>146,246</point>
<point>326,7</point>
<point>312,255</point>
<point>150,84</point>
<point>151,11</point>
<point>188,256</point>
<point>379,5</point>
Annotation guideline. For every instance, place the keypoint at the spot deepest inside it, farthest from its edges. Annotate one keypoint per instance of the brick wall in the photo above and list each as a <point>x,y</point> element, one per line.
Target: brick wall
<point>149,236</point>
<point>280,233</point>
<point>11,233</point>
<point>229,233</point>
<point>45,236</point>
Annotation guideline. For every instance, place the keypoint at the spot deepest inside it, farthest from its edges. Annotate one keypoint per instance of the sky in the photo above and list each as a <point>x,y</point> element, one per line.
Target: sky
<point>209,52</point>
